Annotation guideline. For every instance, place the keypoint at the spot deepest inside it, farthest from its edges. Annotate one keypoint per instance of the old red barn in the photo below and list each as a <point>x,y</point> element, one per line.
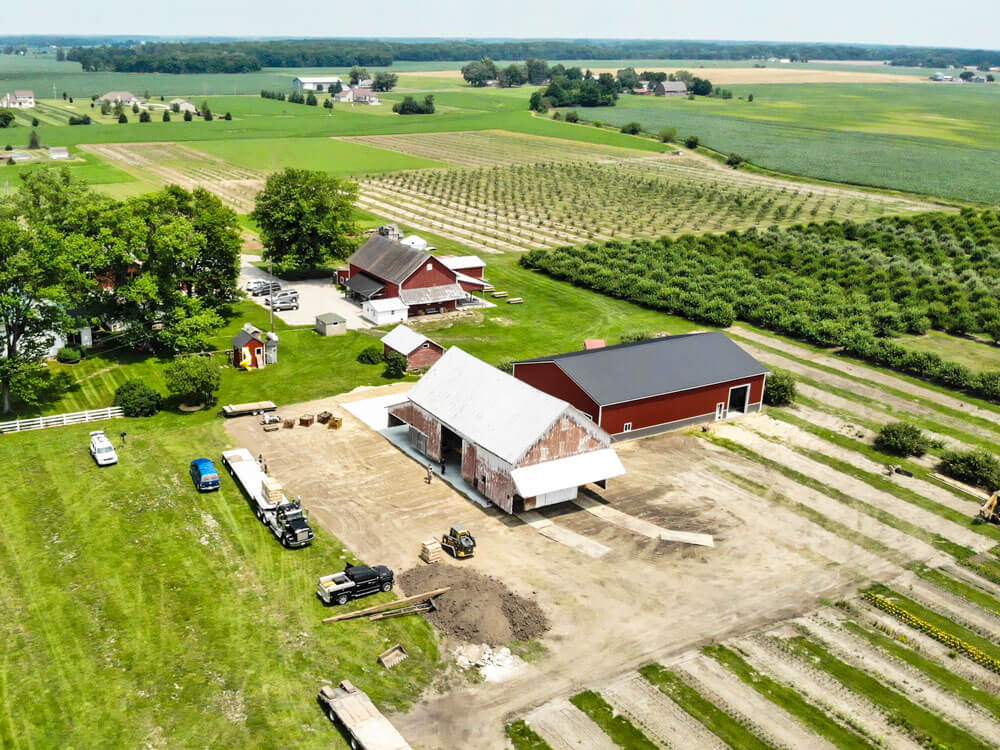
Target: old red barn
<point>650,386</point>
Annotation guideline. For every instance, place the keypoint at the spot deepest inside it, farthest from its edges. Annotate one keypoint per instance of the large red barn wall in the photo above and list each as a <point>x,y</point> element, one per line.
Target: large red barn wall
<point>567,437</point>
<point>548,377</point>
<point>673,407</point>
<point>391,290</point>
<point>417,417</point>
<point>498,485</point>
<point>437,275</point>
<point>424,355</point>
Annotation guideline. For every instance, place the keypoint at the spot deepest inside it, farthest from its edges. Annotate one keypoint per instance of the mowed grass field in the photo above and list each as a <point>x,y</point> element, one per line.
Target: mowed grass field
<point>140,613</point>
<point>923,138</point>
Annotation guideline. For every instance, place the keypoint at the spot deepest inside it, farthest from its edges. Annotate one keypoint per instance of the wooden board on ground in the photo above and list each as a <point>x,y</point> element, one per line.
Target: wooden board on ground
<point>638,526</point>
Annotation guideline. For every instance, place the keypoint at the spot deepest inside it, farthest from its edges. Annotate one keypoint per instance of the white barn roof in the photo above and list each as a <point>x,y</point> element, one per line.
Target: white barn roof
<point>388,304</point>
<point>497,411</point>
<point>404,340</point>
<point>461,262</point>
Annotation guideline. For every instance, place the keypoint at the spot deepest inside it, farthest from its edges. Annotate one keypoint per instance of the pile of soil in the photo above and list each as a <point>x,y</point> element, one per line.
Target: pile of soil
<point>479,608</point>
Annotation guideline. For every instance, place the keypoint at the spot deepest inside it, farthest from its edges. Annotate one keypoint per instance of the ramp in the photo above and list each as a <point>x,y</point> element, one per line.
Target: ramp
<point>564,536</point>
<point>639,526</point>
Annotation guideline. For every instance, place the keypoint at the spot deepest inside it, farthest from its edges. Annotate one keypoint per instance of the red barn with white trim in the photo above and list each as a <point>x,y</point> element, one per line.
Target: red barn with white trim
<point>652,386</point>
<point>419,350</point>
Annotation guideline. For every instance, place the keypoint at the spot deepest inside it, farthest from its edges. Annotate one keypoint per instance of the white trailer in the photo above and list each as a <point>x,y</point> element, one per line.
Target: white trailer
<point>285,518</point>
<point>353,712</point>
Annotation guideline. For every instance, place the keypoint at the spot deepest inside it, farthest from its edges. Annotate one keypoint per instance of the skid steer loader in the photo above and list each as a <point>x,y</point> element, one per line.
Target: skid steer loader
<point>459,542</point>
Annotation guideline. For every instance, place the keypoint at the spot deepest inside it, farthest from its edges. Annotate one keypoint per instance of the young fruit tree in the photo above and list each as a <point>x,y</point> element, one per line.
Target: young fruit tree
<point>306,218</point>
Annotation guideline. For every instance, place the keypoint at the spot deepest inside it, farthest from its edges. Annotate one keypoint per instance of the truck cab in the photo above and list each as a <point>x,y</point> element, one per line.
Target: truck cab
<point>101,449</point>
<point>204,475</point>
<point>355,582</point>
<point>292,523</point>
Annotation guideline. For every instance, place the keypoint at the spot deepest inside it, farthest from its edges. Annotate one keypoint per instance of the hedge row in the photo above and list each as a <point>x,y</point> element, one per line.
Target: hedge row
<point>956,644</point>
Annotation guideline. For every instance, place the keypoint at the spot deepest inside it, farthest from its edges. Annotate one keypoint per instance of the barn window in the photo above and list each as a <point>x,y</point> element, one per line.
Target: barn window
<point>627,427</point>
<point>424,345</point>
<point>430,266</point>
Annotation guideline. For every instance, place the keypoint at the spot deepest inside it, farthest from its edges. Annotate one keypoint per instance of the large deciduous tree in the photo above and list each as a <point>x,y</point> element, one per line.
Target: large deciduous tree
<point>358,74</point>
<point>305,218</point>
<point>384,81</point>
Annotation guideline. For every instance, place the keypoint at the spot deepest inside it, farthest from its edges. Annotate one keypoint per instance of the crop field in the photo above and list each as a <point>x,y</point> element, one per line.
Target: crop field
<point>489,148</point>
<point>518,206</point>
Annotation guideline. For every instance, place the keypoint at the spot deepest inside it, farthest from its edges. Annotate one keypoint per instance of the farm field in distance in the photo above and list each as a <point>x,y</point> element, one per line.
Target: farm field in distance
<point>841,606</point>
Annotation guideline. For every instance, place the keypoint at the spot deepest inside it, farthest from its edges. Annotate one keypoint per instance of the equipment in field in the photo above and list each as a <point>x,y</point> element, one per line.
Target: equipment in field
<point>459,542</point>
<point>989,512</point>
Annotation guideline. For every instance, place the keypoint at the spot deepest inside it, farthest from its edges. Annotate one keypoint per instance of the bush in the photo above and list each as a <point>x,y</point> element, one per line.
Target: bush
<point>122,119</point>
<point>735,160</point>
<point>144,116</point>
<point>691,141</point>
<point>166,115</point>
<point>188,116</point>
<point>979,468</point>
<point>506,365</point>
<point>229,115</point>
<point>632,128</point>
<point>630,337</point>
<point>572,116</point>
<point>667,135</point>
<point>69,354</point>
<point>598,124</point>
<point>410,106</point>
<point>137,399</point>
<point>395,366</point>
<point>779,389</point>
<point>373,355</point>
<point>557,115</point>
<point>902,439</point>
<point>192,379</point>
<point>34,122</point>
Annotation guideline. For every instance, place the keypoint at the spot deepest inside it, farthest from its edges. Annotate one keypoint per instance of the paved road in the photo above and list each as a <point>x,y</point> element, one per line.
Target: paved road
<point>316,296</point>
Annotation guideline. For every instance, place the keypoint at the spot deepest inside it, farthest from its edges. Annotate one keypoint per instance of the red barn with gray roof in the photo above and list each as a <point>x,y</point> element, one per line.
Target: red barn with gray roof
<point>651,386</point>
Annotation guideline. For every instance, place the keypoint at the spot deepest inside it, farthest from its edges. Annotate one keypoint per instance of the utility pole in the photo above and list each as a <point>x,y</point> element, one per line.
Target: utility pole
<point>270,270</point>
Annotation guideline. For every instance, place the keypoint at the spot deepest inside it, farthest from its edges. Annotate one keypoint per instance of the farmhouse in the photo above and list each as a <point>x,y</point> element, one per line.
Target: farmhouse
<point>520,448</point>
<point>21,99</point>
<point>344,95</point>
<point>253,349</point>
<point>670,88</point>
<point>419,350</point>
<point>183,105</point>
<point>365,96</point>
<point>385,268</point>
<point>127,98</point>
<point>651,386</point>
<point>316,83</point>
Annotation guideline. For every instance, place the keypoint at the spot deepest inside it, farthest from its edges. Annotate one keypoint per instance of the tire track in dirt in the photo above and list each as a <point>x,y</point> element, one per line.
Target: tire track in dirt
<point>823,690</point>
<point>660,719</point>
<point>824,626</point>
<point>766,719</point>
<point>565,727</point>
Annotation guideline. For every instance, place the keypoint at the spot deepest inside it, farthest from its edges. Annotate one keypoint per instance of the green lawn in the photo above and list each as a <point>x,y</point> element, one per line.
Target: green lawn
<point>138,612</point>
<point>975,355</point>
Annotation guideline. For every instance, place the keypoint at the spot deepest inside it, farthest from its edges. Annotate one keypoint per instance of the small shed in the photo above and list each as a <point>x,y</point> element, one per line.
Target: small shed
<point>253,349</point>
<point>419,350</point>
<point>330,324</point>
<point>58,152</point>
<point>383,312</point>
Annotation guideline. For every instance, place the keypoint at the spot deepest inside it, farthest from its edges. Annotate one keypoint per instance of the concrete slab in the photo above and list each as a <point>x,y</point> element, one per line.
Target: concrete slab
<point>639,526</point>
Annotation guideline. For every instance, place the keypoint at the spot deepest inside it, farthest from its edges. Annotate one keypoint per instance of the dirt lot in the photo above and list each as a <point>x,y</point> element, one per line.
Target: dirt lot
<point>647,599</point>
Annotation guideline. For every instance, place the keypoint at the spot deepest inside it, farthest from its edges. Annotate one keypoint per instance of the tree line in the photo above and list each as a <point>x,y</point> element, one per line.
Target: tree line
<point>837,284</point>
<point>156,272</point>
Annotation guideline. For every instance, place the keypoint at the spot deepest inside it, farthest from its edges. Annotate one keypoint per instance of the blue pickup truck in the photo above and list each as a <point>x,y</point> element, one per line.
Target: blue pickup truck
<point>205,477</point>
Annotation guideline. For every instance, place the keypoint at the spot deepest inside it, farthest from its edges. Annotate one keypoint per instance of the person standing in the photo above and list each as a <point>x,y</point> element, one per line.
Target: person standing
<point>430,473</point>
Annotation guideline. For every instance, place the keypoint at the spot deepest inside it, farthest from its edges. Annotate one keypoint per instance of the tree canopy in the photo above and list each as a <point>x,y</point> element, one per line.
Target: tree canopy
<point>306,218</point>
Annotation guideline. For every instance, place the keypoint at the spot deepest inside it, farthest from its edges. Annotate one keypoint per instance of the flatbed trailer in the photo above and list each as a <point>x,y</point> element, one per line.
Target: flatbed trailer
<point>243,410</point>
<point>353,712</point>
<point>285,518</point>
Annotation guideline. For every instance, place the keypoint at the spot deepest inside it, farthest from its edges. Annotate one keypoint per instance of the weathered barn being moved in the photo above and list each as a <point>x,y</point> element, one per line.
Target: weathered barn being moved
<point>520,448</point>
<point>419,350</point>
<point>651,386</point>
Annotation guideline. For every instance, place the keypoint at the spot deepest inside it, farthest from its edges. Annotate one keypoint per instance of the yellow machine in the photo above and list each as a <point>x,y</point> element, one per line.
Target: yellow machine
<point>459,542</point>
<point>989,510</point>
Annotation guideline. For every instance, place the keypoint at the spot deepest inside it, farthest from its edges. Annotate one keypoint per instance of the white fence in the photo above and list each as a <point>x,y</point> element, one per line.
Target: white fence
<point>57,420</point>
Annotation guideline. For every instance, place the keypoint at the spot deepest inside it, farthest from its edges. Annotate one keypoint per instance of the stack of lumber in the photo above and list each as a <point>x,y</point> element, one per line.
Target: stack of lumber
<point>306,420</point>
<point>430,552</point>
<point>272,489</point>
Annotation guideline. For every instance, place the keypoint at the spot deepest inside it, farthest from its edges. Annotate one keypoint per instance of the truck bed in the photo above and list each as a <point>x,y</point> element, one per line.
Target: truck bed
<point>253,407</point>
<point>360,717</point>
<point>248,474</point>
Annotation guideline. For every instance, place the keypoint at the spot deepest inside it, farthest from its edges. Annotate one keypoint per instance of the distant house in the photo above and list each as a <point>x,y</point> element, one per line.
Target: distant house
<point>58,152</point>
<point>670,88</point>
<point>366,83</point>
<point>21,99</point>
<point>344,96</point>
<point>419,350</point>
<point>979,79</point>
<point>127,98</point>
<point>365,95</point>
<point>316,83</point>
<point>183,105</point>
<point>21,157</point>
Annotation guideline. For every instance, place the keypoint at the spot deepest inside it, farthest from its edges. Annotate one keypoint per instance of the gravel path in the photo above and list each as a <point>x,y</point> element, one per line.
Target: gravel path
<point>903,678</point>
<point>854,487</point>
<point>766,719</point>
<point>820,688</point>
<point>660,719</point>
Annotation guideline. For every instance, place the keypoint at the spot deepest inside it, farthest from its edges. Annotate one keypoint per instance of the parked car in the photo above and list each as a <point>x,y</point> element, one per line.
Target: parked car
<point>266,288</point>
<point>254,283</point>
<point>205,477</point>
<point>282,295</point>
<point>288,303</point>
<point>101,449</point>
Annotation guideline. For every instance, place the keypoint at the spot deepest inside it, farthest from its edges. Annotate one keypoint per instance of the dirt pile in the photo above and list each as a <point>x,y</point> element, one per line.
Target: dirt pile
<point>479,608</point>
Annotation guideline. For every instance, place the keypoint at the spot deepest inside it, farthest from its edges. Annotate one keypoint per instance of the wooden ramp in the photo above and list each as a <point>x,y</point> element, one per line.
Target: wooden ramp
<point>638,526</point>
<point>561,534</point>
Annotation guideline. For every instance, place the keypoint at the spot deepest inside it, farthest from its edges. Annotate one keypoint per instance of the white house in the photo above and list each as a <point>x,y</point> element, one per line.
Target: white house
<point>58,152</point>
<point>127,98</point>
<point>383,312</point>
<point>183,105</point>
<point>317,83</point>
<point>365,96</point>
<point>22,99</point>
<point>345,96</point>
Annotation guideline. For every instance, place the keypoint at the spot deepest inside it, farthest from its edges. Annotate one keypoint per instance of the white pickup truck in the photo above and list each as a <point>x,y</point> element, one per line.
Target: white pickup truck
<point>101,449</point>
<point>286,519</point>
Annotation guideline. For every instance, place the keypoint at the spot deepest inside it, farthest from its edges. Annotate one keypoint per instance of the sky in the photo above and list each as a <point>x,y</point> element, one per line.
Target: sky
<point>957,23</point>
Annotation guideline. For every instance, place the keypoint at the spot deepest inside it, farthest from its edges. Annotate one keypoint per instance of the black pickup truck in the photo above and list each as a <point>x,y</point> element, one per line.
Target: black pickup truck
<point>354,582</point>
